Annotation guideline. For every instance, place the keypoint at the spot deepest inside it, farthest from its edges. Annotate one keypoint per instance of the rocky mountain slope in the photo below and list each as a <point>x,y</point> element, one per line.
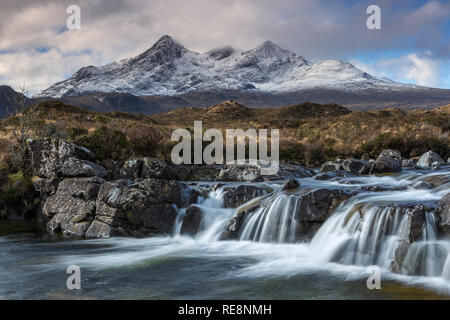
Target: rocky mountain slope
<point>168,68</point>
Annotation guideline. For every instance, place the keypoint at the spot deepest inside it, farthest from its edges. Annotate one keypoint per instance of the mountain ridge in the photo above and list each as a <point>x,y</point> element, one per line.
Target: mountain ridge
<point>168,68</point>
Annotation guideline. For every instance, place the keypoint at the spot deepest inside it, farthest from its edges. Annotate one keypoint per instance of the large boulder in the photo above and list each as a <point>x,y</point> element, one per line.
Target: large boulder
<point>191,220</point>
<point>236,196</point>
<point>443,213</point>
<point>430,158</point>
<point>356,166</point>
<point>57,158</point>
<point>388,161</point>
<point>72,208</point>
<point>138,209</point>
<point>317,205</point>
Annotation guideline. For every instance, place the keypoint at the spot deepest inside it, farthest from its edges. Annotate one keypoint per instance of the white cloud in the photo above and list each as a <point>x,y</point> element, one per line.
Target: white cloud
<point>117,29</point>
<point>422,70</point>
<point>414,68</point>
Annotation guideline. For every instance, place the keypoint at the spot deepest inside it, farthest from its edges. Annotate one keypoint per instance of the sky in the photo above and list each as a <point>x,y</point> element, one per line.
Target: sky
<point>37,49</point>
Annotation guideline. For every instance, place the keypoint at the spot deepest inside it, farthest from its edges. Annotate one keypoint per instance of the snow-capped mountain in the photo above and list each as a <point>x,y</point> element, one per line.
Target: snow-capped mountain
<point>168,68</point>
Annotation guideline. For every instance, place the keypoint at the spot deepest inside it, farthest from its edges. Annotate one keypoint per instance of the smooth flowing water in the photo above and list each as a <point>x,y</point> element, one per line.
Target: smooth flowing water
<point>265,262</point>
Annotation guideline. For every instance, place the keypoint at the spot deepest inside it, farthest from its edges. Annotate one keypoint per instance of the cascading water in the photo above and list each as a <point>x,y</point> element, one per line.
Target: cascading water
<point>371,228</point>
<point>275,223</point>
<point>214,217</point>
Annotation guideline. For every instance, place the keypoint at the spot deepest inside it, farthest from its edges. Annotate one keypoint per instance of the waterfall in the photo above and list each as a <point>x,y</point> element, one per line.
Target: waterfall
<point>384,228</point>
<point>379,234</point>
<point>275,223</point>
<point>214,217</point>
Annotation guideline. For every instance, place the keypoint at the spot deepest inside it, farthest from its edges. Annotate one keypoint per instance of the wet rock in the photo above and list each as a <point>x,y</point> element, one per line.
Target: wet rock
<point>388,161</point>
<point>290,184</point>
<point>72,209</point>
<point>57,158</point>
<point>417,221</point>
<point>237,196</point>
<point>317,205</point>
<point>422,185</point>
<point>356,166</point>
<point>191,220</point>
<point>443,214</point>
<point>236,223</point>
<point>430,158</point>
<point>333,175</point>
<point>331,166</point>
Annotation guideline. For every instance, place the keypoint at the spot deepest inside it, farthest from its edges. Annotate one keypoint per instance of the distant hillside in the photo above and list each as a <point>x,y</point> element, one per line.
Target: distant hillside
<point>8,98</point>
<point>236,112</point>
<point>309,133</point>
<point>425,98</point>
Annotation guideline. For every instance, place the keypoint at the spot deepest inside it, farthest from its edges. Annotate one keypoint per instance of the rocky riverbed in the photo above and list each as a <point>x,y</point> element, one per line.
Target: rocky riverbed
<point>350,214</point>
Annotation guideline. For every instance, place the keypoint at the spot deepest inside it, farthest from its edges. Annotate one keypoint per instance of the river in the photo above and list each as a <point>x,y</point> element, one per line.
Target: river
<point>265,262</point>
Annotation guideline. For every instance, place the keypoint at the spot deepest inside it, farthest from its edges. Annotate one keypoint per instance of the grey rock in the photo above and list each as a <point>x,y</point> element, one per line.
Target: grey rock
<point>237,196</point>
<point>443,214</point>
<point>388,161</point>
<point>192,220</point>
<point>57,158</point>
<point>356,166</point>
<point>429,158</point>
<point>290,184</point>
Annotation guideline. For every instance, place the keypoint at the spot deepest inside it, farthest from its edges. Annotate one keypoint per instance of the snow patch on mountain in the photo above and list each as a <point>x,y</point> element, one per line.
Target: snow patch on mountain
<point>168,68</point>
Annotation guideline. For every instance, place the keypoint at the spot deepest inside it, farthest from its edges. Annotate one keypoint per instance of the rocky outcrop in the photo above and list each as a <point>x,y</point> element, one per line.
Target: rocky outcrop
<point>356,166</point>
<point>57,158</point>
<point>430,160</point>
<point>138,209</point>
<point>72,208</point>
<point>443,215</point>
<point>388,161</point>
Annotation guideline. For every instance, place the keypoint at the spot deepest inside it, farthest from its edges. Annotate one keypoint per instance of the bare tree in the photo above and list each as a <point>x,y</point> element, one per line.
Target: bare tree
<point>22,118</point>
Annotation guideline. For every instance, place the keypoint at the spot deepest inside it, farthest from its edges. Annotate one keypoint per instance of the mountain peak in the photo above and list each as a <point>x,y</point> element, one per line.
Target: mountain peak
<point>166,39</point>
<point>268,49</point>
<point>167,45</point>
